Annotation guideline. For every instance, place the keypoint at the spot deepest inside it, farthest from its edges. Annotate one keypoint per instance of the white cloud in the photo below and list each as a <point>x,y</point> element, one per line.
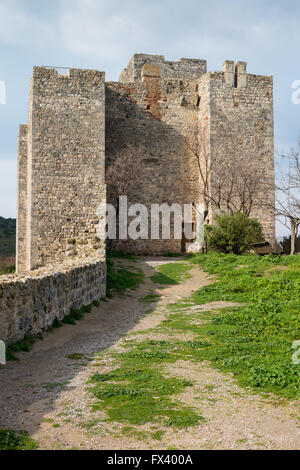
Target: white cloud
<point>98,29</point>
<point>23,27</point>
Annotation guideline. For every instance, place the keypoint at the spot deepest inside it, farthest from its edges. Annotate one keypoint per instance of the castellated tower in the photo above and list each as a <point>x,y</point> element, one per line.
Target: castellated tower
<point>238,108</point>
<point>61,168</point>
<point>166,109</point>
<point>78,124</point>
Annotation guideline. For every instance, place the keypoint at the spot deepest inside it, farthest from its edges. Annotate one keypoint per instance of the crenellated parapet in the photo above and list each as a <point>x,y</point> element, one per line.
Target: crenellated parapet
<point>183,69</point>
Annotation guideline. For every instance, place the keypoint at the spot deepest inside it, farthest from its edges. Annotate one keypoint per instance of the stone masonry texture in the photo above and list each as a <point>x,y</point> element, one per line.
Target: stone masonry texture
<point>79,125</point>
<point>158,113</point>
<point>66,166</point>
<point>30,304</point>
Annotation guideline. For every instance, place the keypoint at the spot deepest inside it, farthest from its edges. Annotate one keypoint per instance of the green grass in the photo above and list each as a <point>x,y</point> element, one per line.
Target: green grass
<point>120,255</point>
<point>8,270</point>
<point>122,278</point>
<point>138,392</point>
<point>253,341</point>
<point>173,255</point>
<point>150,299</point>
<point>10,440</point>
<point>171,274</point>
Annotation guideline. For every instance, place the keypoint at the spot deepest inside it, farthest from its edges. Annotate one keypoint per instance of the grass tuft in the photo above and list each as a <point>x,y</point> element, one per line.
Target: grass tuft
<point>10,440</point>
<point>121,279</point>
<point>171,274</point>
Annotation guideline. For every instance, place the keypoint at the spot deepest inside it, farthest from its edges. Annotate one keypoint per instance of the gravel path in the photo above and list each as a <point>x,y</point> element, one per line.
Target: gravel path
<point>45,392</point>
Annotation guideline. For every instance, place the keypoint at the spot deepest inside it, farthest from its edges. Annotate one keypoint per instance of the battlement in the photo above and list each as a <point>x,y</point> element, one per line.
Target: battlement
<point>65,72</point>
<point>235,76</point>
<point>61,157</point>
<point>183,69</point>
<point>78,124</point>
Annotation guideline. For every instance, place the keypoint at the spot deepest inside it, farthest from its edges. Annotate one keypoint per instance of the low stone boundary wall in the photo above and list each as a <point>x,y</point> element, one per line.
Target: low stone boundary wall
<point>29,304</point>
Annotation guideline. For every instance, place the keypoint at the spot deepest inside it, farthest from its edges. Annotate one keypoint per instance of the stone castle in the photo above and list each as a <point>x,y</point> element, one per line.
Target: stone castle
<point>79,126</point>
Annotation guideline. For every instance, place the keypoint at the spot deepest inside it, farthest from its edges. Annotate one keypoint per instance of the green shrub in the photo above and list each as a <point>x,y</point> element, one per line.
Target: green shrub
<point>233,233</point>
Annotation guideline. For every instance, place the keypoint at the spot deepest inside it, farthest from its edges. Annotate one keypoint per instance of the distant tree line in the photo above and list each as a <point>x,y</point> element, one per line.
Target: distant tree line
<point>7,237</point>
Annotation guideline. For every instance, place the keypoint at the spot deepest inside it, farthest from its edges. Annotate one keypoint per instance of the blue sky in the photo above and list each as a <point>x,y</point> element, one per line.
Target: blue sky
<point>104,34</point>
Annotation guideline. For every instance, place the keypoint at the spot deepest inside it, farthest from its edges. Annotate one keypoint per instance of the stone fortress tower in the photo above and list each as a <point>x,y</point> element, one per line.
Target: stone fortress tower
<point>78,124</point>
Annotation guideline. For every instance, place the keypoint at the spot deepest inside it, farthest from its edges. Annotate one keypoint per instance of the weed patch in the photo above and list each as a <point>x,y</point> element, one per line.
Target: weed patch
<point>10,440</point>
<point>138,392</point>
<point>171,274</point>
<point>122,278</point>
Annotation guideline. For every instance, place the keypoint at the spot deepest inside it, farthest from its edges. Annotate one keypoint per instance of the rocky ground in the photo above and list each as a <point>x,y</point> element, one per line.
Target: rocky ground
<point>45,393</point>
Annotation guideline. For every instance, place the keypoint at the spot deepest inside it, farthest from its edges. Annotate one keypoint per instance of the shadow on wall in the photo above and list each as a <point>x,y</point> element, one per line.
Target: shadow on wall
<point>167,175</point>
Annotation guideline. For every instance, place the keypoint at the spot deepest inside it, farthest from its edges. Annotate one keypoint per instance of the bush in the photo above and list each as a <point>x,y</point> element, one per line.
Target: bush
<point>233,233</point>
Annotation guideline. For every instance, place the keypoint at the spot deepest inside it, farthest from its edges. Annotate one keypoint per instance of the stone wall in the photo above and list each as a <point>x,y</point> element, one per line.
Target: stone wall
<point>185,68</point>
<point>22,199</point>
<point>30,304</point>
<point>160,111</point>
<point>240,116</point>
<point>65,170</point>
<point>157,119</point>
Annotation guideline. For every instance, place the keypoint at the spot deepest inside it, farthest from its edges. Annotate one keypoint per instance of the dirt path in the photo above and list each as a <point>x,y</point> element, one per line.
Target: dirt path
<point>45,392</point>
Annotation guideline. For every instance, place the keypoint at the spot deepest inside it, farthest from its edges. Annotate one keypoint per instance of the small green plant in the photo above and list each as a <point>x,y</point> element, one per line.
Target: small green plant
<point>24,345</point>
<point>10,440</point>
<point>233,233</point>
<point>76,315</point>
<point>57,324</point>
<point>75,357</point>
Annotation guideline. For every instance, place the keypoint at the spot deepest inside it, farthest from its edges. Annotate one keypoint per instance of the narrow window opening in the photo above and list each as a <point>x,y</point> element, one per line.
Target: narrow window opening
<point>235,78</point>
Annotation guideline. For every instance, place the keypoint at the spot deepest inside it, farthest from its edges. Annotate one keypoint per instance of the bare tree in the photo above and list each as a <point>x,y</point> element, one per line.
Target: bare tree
<point>124,178</point>
<point>229,181</point>
<point>124,175</point>
<point>287,206</point>
<point>199,146</point>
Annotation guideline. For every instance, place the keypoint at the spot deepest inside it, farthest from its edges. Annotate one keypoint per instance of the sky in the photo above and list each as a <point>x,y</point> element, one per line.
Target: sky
<point>104,34</point>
